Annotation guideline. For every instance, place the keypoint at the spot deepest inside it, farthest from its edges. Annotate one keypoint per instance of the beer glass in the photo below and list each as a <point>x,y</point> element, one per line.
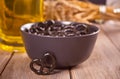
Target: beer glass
<point>13,14</point>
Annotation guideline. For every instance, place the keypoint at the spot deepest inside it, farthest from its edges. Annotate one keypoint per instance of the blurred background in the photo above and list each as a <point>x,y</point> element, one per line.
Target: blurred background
<point>82,10</point>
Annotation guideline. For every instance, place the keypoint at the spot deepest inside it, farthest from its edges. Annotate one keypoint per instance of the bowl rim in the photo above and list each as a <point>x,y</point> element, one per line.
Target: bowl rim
<point>28,25</point>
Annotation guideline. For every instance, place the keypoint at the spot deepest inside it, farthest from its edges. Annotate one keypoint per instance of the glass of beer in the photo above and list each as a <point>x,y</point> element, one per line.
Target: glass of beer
<point>13,14</point>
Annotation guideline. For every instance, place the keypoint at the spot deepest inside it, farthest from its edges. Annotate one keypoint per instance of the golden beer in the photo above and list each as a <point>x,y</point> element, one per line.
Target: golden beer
<point>13,14</point>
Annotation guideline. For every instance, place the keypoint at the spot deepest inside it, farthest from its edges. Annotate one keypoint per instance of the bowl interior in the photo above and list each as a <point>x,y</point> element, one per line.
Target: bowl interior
<point>92,29</point>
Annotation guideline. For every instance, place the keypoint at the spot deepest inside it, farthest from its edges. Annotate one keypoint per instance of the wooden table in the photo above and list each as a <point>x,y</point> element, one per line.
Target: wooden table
<point>104,62</point>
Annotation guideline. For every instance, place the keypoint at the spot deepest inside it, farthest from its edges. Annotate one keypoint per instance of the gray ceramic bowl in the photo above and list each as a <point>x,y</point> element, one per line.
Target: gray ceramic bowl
<point>68,51</point>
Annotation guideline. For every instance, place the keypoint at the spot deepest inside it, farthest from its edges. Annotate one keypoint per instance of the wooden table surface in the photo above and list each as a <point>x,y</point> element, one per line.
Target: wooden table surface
<point>104,62</point>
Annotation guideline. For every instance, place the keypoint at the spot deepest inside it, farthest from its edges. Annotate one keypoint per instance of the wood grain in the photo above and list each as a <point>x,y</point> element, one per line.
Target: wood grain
<point>112,30</point>
<point>104,63</point>
<point>4,57</point>
<point>18,68</point>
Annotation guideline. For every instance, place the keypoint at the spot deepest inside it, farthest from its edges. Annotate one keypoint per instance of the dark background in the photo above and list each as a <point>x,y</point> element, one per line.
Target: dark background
<point>100,2</point>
